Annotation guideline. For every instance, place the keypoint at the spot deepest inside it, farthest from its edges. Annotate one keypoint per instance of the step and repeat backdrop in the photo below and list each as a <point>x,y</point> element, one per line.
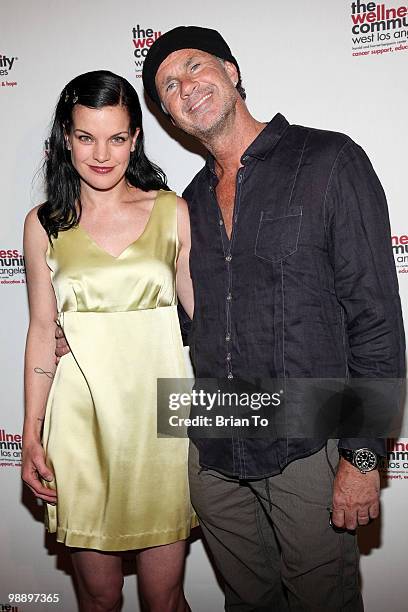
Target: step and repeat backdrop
<point>336,65</point>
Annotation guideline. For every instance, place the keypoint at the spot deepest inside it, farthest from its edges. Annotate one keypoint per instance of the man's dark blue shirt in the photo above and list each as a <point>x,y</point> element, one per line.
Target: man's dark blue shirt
<point>305,287</point>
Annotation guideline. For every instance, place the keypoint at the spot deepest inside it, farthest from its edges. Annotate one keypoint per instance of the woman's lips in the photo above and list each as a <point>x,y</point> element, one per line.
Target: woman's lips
<point>101,169</point>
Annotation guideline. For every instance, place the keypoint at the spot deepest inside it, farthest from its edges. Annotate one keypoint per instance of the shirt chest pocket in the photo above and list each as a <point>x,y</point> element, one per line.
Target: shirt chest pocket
<point>278,237</point>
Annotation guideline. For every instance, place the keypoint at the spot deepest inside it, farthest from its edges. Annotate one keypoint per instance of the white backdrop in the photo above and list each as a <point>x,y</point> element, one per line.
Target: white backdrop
<point>296,57</point>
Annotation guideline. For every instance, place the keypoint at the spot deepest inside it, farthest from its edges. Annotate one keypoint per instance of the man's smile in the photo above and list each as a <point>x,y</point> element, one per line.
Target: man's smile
<point>200,102</point>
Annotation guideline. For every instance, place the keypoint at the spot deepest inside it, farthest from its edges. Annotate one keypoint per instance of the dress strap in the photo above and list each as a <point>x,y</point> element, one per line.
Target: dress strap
<point>164,216</point>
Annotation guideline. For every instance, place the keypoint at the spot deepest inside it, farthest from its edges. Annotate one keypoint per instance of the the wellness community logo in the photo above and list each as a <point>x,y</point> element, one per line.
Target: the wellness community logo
<point>7,65</point>
<point>10,449</point>
<point>377,28</point>
<point>12,267</point>
<point>395,465</point>
<point>400,250</point>
<point>143,38</point>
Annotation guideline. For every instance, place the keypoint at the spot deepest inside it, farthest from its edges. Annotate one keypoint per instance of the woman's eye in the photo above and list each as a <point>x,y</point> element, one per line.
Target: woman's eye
<point>118,139</point>
<point>84,138</point>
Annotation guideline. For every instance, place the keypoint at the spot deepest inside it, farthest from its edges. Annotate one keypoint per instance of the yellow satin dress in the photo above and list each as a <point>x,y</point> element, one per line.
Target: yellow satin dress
<point>119,486</point>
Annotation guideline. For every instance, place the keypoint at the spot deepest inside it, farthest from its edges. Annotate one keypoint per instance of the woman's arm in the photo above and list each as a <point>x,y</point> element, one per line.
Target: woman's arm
<point>183,278</point>
<point>39,356</point>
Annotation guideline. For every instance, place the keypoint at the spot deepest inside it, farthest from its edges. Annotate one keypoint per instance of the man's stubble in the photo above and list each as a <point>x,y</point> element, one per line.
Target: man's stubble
<point>220,126</point>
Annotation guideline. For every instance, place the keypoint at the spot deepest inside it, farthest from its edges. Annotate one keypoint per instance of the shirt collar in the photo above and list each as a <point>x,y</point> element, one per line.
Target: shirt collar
<point>263,143</point>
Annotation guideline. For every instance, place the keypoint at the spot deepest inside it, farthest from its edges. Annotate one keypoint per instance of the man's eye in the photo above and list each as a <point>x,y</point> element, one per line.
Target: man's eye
<point>170,86</point>
<point>194,66</point>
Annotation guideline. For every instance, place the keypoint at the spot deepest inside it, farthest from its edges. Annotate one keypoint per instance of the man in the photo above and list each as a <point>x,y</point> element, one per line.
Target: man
<point>293,279</point>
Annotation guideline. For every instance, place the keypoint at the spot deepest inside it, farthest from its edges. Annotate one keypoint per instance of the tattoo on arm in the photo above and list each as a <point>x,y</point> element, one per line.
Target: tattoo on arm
<point>41,371</point>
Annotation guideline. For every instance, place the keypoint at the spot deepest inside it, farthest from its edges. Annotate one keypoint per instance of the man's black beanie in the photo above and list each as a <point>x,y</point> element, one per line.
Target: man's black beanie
<point>182,37</point>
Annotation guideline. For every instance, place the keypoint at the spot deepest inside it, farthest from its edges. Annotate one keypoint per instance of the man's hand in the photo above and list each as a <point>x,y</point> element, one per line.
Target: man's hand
<point>61,346</point>
<point>34,468</point>
<point>355,496</point>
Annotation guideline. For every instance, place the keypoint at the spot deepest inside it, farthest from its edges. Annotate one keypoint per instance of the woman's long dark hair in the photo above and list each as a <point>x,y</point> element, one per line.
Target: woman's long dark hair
<point>62,210</point>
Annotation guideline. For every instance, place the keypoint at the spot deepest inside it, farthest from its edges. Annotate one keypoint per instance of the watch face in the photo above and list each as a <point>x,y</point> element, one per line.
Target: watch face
<point>365,460</point>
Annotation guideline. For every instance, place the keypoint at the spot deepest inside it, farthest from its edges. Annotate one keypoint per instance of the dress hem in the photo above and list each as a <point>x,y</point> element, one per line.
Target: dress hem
<point>122,543</point>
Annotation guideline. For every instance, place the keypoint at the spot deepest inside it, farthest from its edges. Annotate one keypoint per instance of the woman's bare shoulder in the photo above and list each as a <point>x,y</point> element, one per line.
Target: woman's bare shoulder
<point>33,230</point>
<point>182,207</point>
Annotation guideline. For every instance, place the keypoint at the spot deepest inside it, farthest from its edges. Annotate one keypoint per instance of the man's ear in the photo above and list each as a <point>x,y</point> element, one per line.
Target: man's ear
<point>232,72</point>
<point>169,117</point>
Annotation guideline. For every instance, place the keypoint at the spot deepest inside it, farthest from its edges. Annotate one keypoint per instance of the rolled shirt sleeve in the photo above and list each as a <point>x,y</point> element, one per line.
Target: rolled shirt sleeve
<point>359,245</point>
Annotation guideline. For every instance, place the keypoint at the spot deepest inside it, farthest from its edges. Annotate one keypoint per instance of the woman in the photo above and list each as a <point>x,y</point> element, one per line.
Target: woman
<point>104,256</point>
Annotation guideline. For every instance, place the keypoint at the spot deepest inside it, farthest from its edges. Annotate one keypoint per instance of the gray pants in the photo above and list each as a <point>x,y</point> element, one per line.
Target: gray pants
<point>271,538</point>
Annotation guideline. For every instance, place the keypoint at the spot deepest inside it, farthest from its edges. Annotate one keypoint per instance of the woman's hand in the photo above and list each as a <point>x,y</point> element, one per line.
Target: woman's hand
<point>61,344</point>
<point>34,469</point>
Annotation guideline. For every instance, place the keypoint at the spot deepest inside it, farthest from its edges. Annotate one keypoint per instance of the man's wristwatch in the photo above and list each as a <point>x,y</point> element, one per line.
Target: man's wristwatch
<point>363,459</point>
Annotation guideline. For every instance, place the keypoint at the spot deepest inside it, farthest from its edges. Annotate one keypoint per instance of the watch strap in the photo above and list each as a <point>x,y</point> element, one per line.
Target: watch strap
<point>353,457</point>
<point>347,454</point>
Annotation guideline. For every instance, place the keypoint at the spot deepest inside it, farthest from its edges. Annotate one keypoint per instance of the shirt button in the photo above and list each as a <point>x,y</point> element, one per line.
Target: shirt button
<point>245,158</point>
<point>230,375</point>
<point>229,297</point>
<point>228,357</point>
<point>228,258</point>
<point>221,222</point>
<point>228,337</point>
<point>239,178</point>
